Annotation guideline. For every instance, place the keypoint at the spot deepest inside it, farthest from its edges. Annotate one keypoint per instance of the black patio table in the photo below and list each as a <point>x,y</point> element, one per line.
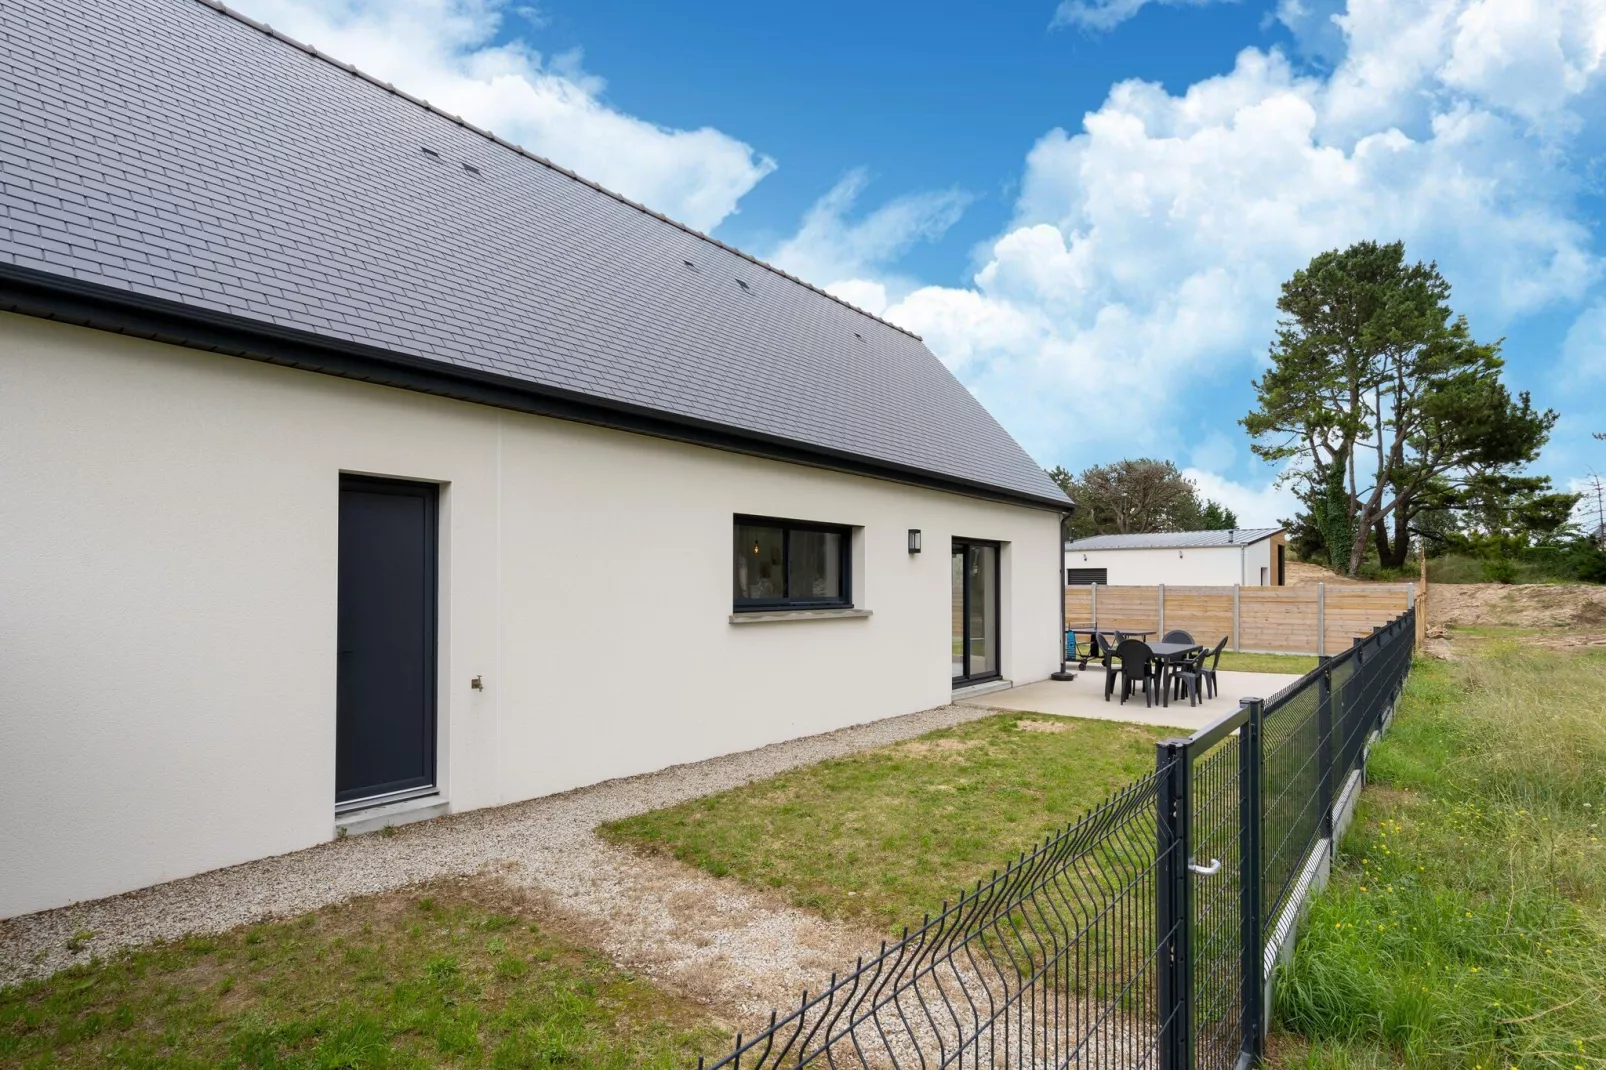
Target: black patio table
<point>1130,633</point>
<point>1163,654</point>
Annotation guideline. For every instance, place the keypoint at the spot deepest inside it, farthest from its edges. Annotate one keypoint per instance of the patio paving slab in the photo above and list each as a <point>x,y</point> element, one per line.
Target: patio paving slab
<point>1084,697</point>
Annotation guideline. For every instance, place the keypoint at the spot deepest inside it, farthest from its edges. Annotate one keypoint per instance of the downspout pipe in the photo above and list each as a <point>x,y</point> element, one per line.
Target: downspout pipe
<point>1065,672</point>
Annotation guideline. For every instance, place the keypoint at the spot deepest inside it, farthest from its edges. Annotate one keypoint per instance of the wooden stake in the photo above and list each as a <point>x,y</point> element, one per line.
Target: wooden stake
<point>1422,598</point>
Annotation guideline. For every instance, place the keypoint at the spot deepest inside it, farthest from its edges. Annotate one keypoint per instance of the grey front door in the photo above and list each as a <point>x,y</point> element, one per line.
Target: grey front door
<point>385,679</point>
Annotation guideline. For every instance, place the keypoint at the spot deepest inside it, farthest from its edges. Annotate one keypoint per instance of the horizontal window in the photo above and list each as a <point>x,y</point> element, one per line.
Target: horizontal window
<point>789,563</point>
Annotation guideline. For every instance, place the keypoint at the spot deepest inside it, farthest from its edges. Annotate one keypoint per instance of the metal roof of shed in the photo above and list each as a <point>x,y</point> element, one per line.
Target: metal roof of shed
<point>1174,540</point>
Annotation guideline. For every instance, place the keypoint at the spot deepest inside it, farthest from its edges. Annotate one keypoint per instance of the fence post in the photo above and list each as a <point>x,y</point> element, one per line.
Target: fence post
<point>1161,626</point>
<point>1321,619</point>
<point>1324,745</point>
<point>1093,611</point>
<point>1173,910</point>
<point>1237,635</point>
<point>1359,683</point>
<point>1410,596</point>
<point>1250,839</point>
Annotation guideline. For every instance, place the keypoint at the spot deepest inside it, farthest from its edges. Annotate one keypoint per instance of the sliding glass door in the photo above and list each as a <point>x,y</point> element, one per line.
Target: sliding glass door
<point>975,610</point>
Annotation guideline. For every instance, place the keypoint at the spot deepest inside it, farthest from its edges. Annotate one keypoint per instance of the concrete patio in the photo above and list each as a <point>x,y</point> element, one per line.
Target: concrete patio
<point>1084,697</point>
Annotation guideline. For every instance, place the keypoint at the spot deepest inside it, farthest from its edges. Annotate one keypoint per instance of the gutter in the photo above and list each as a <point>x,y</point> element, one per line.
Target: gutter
<point>47,295</point>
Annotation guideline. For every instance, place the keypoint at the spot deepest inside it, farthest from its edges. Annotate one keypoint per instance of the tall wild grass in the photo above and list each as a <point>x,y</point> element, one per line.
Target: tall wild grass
<point>1466,922</point>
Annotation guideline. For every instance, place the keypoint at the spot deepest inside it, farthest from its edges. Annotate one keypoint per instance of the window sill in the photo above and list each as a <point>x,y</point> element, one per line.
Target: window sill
<point>770,616</point>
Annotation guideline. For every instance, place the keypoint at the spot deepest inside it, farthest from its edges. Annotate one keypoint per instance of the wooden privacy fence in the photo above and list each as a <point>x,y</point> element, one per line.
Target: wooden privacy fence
<point>1316,619</point>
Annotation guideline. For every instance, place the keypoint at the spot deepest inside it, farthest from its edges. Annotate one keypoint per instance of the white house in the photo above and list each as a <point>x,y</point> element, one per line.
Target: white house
<point>1251,557</point>
<point>360,467</point>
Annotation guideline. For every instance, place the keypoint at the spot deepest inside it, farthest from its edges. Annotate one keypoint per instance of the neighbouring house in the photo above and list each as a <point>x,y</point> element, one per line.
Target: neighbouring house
<point>359,467</point>
<point>1250,557</point>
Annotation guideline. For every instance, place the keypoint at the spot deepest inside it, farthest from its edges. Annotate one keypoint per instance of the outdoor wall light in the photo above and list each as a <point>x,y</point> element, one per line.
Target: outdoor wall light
<point>914,540</point>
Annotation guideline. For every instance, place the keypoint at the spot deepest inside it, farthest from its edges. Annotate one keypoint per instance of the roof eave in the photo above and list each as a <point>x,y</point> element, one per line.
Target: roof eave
<point>46,295</point>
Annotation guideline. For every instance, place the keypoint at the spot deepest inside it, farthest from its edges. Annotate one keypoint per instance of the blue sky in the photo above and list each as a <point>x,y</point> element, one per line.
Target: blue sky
<point>921,97</point>
<point>1085,209</point>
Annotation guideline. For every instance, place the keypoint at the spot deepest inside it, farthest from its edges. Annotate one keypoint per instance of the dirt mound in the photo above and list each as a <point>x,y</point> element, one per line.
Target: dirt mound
<point>1302,574</point>
<point>1490,605</point>
<point>1591,613</point>
<point>1526,605</point>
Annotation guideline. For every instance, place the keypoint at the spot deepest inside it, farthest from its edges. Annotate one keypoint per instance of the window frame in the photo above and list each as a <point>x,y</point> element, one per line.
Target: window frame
<point>787,527</point>
<point>997,673</point>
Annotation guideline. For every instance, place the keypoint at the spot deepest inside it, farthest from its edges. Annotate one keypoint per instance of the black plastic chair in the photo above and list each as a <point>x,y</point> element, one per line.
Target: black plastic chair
<point>1178,636</point>
<point>1135,670</point>
<point>1107,656</point>
<point>1207,664</point>
<point>1100,645</point>
<point>1187,675</point>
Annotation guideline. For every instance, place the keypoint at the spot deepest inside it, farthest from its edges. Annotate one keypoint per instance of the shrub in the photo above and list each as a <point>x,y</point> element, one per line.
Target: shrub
<point>1499,570</point>
<point>1589,562</point>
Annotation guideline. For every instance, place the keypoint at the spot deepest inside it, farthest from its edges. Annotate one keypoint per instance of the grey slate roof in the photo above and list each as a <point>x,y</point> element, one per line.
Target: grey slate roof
<point>173,150</point>
<point>1173,540</point>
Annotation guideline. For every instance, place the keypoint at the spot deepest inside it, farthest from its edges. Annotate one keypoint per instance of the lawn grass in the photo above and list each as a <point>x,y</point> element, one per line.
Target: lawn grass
<point>886,835</point>
<point>453,974</point>
<point>1298,664</point>
<point>1466,922</point>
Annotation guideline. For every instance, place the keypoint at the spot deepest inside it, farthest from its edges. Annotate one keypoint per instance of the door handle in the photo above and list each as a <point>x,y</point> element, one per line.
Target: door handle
<point>1206,871</point>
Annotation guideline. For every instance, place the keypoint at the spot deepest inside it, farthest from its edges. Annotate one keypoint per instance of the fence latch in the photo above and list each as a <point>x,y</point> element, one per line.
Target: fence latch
<point>1206,871</point>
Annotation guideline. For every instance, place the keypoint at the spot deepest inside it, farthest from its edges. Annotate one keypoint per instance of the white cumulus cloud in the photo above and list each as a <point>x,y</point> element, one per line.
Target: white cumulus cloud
<point>447,52</point>
<point>1255,507</point>
<point>1583,353</point>
<point>1534,57</point>
<point>1108,14</point>
<point>834,245</point>
<point>1407,62</point>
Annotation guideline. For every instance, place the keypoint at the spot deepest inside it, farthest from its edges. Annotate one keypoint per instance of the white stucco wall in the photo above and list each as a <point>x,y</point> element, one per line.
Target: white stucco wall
<point>1209,566</point>
<point>168,599</point>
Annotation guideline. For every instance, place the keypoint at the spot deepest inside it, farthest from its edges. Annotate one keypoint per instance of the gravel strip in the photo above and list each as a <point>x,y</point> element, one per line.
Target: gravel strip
<point>739,950</point>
